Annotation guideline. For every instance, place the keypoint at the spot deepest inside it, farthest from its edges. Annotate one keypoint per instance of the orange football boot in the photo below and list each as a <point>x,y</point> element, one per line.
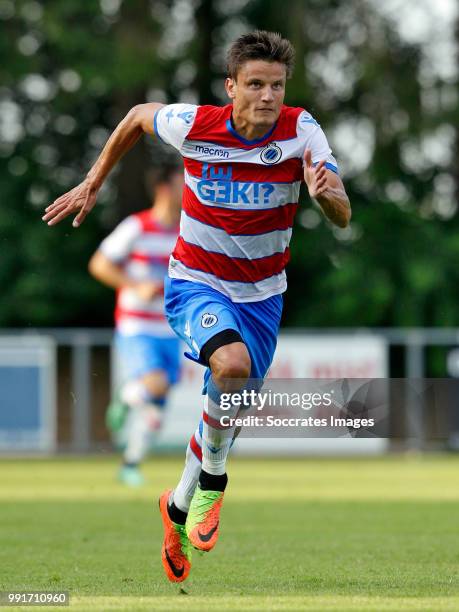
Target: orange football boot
<point>176,550</point>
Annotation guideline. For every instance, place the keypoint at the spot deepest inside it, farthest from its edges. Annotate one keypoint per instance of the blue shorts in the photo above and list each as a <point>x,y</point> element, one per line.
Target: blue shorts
<point>142,353</point>
<point>196,313</point>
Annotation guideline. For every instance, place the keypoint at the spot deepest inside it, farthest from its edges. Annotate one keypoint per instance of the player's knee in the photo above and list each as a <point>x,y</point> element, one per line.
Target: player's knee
<point>156,383</point>
<point>234,369</point>
<point>231,362</point>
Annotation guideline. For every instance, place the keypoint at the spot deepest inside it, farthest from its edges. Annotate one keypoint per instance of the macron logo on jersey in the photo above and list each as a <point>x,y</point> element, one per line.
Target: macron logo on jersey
<point>212,151</point>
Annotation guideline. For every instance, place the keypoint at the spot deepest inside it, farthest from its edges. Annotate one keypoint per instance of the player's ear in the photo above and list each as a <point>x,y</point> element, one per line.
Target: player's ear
<point>230,86</point>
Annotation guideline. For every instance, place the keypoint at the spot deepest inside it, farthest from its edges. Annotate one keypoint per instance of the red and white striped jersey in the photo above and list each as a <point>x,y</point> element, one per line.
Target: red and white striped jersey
<point>142,247</point>
<point>240,196</point>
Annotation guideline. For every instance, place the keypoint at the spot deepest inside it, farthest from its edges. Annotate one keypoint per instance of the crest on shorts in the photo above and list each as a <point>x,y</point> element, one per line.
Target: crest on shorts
<point>271,153</point>
<point>208,320</point>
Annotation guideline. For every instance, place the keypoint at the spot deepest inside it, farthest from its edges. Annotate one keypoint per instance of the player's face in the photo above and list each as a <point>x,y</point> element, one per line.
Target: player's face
<point>258,92</point>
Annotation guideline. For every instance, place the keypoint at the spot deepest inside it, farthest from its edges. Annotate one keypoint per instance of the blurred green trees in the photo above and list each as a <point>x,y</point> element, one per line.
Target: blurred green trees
<point>381,79</point>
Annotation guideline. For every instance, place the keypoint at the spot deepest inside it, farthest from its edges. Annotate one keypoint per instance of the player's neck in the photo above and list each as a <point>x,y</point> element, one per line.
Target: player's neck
<point>248,130</point>
<point>163,214</point>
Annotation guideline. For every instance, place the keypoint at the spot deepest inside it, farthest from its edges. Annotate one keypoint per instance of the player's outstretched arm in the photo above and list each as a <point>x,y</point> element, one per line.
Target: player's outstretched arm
<point>82,198</point>
<point>327,188</point>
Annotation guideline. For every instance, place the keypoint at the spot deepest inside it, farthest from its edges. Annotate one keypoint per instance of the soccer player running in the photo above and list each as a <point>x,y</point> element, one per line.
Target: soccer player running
<point>133,260</point>
<point>244,163</point>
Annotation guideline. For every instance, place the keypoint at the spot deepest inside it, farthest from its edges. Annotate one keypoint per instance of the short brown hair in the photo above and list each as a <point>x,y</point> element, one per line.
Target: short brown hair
<point>260,45</point>
<point>165,172</point>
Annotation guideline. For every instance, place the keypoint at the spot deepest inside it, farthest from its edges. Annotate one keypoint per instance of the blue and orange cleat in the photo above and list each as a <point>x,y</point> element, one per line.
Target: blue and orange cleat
<point>176,551</point>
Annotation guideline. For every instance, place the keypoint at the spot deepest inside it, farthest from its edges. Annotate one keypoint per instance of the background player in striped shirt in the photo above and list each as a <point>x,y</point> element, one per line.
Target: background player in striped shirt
<point>133,259</point>
<point>244,163</point>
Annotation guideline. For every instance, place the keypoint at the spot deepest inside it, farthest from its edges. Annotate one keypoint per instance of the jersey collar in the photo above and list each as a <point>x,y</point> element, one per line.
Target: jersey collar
<point>232,131</point>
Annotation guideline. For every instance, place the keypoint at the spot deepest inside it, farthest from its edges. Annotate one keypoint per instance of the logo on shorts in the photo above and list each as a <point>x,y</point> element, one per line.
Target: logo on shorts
<point>271,154</point>
<point>208,320</point>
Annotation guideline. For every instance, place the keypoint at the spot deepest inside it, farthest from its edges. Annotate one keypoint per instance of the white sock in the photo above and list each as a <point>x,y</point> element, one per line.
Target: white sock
<point>134,393</point>
<point>143,422</point>
<point>184,491</point>
<point>216,440</point>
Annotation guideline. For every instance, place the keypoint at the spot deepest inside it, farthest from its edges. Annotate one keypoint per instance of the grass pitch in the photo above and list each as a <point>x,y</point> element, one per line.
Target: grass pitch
<point>301,534</point>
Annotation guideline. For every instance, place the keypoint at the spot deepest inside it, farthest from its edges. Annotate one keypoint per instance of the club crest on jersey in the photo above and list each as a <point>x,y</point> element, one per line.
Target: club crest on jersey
<point>208,320</point>
<point>186,116</point>
<point>271,154</point>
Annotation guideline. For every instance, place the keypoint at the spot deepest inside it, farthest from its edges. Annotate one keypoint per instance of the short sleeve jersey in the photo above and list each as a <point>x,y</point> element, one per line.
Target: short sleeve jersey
<point>240,196</point>
<point>142,247</point>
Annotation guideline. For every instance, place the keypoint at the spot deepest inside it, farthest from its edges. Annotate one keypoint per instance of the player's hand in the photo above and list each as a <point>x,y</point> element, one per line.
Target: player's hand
<point>81,198</point>
<point>315,177</point>
<point>148,289</point>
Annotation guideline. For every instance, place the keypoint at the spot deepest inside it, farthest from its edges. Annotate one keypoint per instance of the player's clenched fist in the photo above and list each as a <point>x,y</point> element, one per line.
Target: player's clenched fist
<point>315,176</point>
<point>81,198</point>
